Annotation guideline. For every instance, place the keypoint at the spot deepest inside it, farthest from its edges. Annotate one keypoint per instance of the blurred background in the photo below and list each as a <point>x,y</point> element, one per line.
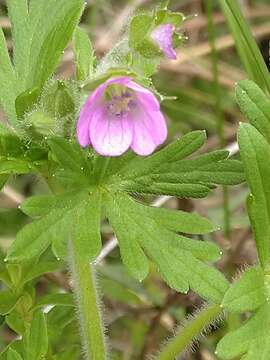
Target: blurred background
<point>140,316</point>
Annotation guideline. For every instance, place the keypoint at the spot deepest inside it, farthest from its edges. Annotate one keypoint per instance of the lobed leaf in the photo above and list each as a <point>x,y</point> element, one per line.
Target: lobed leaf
<point>180,221</point>
<point>71,214</point>
<point>246,294</point>
<point>168,173</point>
<point>52,26</point>
<point>255,105</point>
<point>251,341</point>
<point>75,167</point>
<point>174,255</point>
<point>255,154</point>
<point>53,228</point>
<point>42,205</point>
<point>131,251</point>
<point>177,150</point>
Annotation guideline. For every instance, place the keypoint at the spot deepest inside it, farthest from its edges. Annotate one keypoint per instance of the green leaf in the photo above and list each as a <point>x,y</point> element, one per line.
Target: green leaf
<point>3,180</point>
<point>8,89</point>
<point>59,317</point>
<point>14,157</point>
<point>139,28</point>
<point>18,15</point>
<point>148,49</point>
<point>26,100</point>
<point>75,168</point>
<point>114,290</point>
<point>181,221</point>
<point>131,252</point>
<point>72,352</point>
<point>39,269</point>
<point>54,299</point>
<point>40,35</point>
<point>246,294</point>
<point>39,206</point>
<point>13,346</point>
<point>255,154</point>
<point>84,54</point>
<point>246,45</point>
<point>15,322</point>
<point>12,165</point>
<point>36,338</point>
<point>177,150</point>
<point>52,26</point>
<point>167,173</point>
<point>87,227</point>
<point>206,169</point>
<point>5,278</point>
<point>255,105</point>
<point>175,256</point>
<point>8,301</point>
<point>251,341</point>
<point>13,355</point>
<point>71,214</point>
<point>53,228</point>
<point>173,189</point>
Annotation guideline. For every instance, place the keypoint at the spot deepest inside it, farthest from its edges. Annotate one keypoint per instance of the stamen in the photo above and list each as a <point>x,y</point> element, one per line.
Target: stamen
<point>119,105</point>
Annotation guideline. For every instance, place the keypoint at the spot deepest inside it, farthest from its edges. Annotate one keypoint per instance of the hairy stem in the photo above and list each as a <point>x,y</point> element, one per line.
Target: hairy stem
<point>91,324</point>
<point>186,335</point>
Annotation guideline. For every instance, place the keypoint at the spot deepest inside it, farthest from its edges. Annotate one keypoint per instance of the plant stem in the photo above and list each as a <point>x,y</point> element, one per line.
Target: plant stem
<point>91,324</point>
<point>220,116</point>
<point>185,336</point>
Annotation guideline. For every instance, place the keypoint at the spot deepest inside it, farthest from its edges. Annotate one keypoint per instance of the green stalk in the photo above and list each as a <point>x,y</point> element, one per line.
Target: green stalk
<point>92,329</point>
<point>218,107</point>
<point>187,334</point>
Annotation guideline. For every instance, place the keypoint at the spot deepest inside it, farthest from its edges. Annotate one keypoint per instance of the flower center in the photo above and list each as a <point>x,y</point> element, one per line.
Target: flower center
<point>120,100</point>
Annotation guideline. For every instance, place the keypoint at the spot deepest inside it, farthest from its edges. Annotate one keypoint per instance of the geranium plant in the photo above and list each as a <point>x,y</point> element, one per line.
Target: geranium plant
<point>99,141</point>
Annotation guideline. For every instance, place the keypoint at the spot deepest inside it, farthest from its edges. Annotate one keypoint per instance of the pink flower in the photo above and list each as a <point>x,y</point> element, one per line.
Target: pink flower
<point>163,37</point>
<point>120,114</point>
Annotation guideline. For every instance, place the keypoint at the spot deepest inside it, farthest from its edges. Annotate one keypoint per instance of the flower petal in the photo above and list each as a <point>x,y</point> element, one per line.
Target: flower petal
<point>89,107</point>
<point>144,95</point>
<point>82,129</point>
<point>150,130</point>
<point>110,136</point>
<point>163,36</point>
<point>86,115</point>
